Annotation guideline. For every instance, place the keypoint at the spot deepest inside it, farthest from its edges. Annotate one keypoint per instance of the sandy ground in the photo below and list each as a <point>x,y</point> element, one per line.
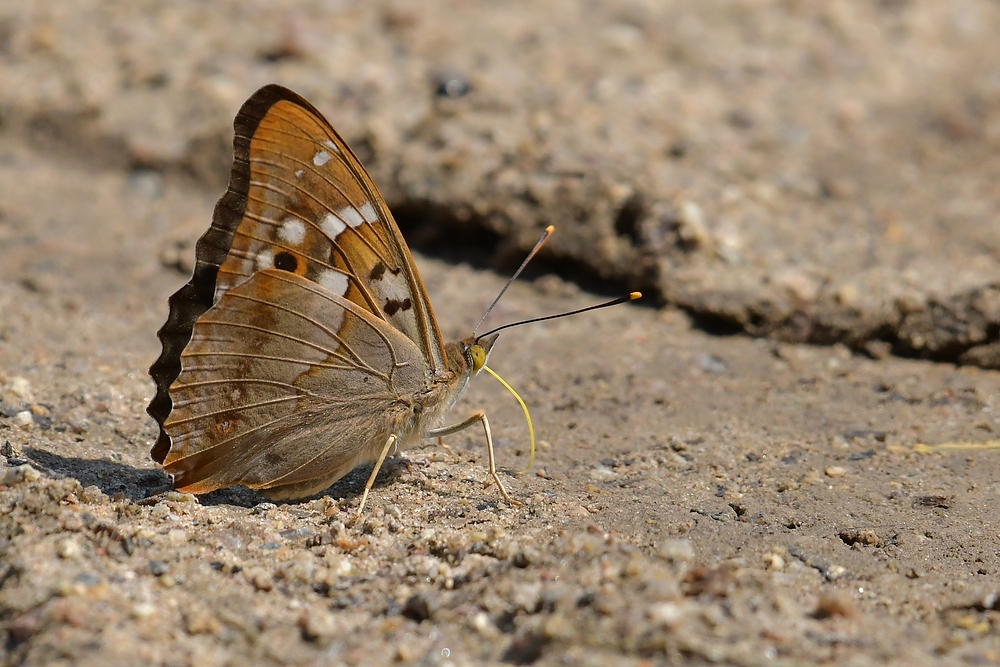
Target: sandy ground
<point>700,496</point>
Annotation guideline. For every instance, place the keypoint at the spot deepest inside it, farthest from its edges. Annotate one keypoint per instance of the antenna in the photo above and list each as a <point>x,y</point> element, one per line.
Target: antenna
<point>632,296</point>
<point>534,251</point>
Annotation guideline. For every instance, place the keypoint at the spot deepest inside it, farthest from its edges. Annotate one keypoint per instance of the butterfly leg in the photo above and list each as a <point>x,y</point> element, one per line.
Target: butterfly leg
<point>390,443</point>
<point>462,425</point>
<point>444,445</point>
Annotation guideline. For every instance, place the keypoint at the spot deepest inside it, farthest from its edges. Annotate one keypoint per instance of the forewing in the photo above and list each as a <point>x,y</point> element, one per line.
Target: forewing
<point>285,384</point>
<point>311,208</point>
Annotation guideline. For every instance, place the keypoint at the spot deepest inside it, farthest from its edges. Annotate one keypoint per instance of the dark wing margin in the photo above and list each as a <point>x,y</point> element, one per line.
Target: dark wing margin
<point>191,301</point>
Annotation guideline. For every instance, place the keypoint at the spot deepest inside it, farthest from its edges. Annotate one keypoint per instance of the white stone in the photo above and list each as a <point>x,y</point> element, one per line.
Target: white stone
<point>24,421</point>
<point>21,388</point>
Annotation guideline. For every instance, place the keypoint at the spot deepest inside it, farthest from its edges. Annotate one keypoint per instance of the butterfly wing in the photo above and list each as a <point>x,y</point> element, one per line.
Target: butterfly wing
<point>298,201</point>
<point>279,383</point>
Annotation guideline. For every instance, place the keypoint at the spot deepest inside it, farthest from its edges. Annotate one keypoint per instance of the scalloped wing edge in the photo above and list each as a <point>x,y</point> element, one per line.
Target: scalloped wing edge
<point>192,300</point>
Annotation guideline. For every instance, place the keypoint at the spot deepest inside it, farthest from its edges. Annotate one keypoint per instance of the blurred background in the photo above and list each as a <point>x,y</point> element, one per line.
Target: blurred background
<point>815,171</point>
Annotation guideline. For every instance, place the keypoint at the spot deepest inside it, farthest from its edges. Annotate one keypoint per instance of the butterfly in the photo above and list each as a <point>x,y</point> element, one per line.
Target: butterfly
<point>304,343</point>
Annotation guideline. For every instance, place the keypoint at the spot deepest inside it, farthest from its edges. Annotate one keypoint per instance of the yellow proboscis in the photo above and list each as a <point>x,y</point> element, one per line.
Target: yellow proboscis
<point>527,415</point>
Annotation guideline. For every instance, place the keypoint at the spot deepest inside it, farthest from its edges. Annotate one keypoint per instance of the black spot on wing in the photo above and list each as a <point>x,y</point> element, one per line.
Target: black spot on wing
<point>286,262</point>
<point>392,306</point>
<point>376,272</point>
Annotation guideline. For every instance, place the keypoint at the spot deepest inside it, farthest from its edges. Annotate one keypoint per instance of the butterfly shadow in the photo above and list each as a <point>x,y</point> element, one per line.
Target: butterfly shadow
<point>119,479</point>
<point>351,486</point>
<point>111,477</point>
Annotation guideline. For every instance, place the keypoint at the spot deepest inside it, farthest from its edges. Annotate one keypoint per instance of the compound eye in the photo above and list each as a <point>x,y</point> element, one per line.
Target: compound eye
<point>478,355</point>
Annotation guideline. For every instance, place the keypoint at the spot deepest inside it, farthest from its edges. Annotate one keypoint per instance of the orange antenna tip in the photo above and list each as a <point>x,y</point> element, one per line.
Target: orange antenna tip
<point>634,295</point>
<point>550,229</point>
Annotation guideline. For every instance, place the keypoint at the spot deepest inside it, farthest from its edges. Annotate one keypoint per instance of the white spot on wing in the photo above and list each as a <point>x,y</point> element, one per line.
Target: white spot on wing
<point>321,158</point>
<point>292,230</point>
<point>335,281</point>
<point>368,212</point>
<point>351,216</point>
<point>265,259</point>
<point>332,225</point>
<point>332,146</point>
<point>299,173</point>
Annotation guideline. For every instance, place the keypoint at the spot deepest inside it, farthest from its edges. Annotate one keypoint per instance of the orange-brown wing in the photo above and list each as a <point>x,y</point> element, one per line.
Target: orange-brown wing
<point>299,200</point>
<point>286,387</point>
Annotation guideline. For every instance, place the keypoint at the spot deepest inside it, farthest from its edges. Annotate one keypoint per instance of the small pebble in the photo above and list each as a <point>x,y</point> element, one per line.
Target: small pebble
<point>677,551</point>
<point>866,537</point>
<point>602,474</point>
<point>20,388</point>
<point>178,497</point>
<point>200,621</point>
<point>665,613</point>
<point>143,610</point>
<point>712,364</point>
<point>481,623</point>
<point>158,568</point>
<point>24,420</point>
<point>177,536</point>
<point>404,653</point>
<point>811,477</point>
<point>339,565</point>
<point>91,495</point>
<point>18,474</point>
<point>317,624</point>
<point>68,548</point>
<point>835,472</point>
<point>527,597</point>
<point>259,578</point>
<point>260,508</point>
<point>525,557</point>
<point>691,226</point>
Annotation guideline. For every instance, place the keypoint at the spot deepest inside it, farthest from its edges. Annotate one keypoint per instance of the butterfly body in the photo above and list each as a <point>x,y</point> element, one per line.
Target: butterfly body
<point>304,344</point>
